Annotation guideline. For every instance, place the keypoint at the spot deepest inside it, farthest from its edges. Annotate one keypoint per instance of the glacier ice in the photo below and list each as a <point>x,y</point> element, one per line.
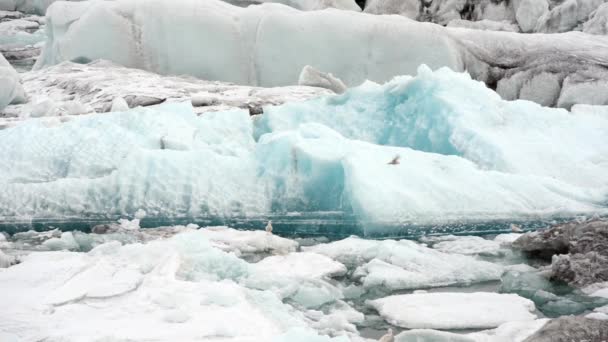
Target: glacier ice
<point>454,310</point>
<point>598,21</point>
<point>465,154</point>
<point>264,45</point>
<point>11,90</point>
<point>258,45</point>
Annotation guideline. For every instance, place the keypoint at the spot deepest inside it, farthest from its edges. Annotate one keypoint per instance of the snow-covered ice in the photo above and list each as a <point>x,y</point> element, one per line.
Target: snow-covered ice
<point>454,310</point>
<point>301,265</point>
<point>99,84</point>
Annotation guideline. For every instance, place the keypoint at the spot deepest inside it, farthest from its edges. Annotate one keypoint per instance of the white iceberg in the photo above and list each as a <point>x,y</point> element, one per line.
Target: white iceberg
<point>266,46</point>
<point>454,310</point>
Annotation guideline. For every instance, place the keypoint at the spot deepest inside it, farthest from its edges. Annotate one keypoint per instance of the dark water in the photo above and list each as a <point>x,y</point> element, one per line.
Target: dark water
<point>332,225</point>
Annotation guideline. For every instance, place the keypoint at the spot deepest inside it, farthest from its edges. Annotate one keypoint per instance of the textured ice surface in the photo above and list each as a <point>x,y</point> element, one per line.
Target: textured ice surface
<point>244,242</point>
<point>177,287</point>
<point>11,90</point>
<point>454,310</point>
<point>257,45</point>
<point>598,22</point>
<point>27,6</point>
<point>304,5</point>
<point>97,85</point>
<point>405,264</point>
<point>303,265</point>
<point>315,78</point>
<point>465,155</point>
<point>484,25</point>
<point>468,245</point>
<point>264,45</point>
<point>506,332</point>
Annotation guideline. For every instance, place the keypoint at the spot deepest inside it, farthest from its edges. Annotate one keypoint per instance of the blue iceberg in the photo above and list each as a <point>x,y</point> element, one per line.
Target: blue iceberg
<point>434,149</point>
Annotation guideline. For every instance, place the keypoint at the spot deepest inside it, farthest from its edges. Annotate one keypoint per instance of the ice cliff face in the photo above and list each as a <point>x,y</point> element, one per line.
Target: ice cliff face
<point>462,155</point>
<point>269,45</point>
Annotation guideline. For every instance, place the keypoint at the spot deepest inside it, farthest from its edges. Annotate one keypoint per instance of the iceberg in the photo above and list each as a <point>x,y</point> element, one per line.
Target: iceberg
<point>266,46</point>
<point>462,155</point>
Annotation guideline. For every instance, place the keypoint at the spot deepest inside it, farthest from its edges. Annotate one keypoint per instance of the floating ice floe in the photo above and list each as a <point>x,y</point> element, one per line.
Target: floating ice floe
<point>405,264</point>
<point>454,310</point>
<point>464,156</point>
<point>506,332</point>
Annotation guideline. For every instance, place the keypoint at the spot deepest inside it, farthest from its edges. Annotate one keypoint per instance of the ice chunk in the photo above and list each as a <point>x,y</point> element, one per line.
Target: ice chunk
<point>6,260</point>
<point>429,335</point>
<point>567,15</point>
<point>598,21</point>
<point>484,25</point>
<point>543,89</point>
<point>247,242</point>
<point>454,310</point>
<point>507,239</point>
<point>11,90</point>
<point>65,242</point>
<point>258,45</point>
<point>407,8</point>
<point>528,13</point>
<point>510,332</point>
<point>405,264</point>
<point>585,90</point>
<point>315,78</point>
<point>468,245</point>
<point>301,265</point>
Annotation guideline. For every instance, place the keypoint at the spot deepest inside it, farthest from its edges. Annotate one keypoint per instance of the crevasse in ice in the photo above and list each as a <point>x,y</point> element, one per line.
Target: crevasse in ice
<point>463,155</point>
